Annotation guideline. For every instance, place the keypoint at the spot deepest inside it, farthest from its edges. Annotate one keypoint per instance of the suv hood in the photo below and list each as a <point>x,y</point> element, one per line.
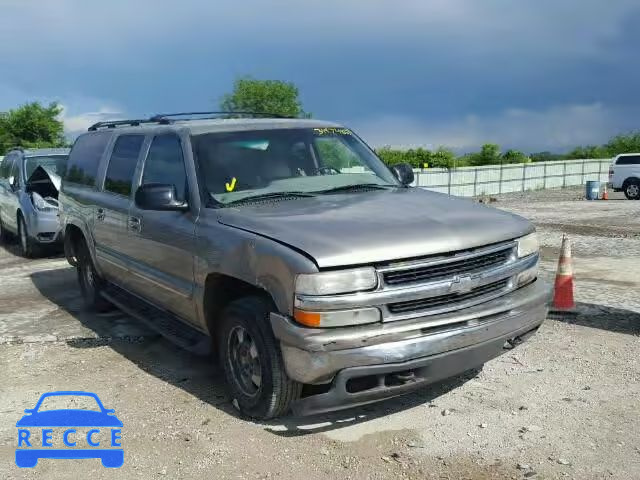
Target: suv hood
<point>44,182</point>
<point>376,226</point>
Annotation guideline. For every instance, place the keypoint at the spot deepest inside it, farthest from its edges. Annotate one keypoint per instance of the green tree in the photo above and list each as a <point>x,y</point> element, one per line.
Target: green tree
<point>264,96</point>
<point>514,156</point>
<point>628,143</point>
<point>32,126</point>
<point>489,154</point>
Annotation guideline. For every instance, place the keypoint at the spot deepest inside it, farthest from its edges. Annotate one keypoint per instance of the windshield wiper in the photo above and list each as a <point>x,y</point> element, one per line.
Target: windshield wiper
<point>359,186</point>
<point>267,196</point>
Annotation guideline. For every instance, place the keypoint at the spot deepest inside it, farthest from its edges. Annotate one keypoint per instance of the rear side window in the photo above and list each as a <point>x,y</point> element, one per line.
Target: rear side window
<point>165,164</point>
<point>122,164</point>
<point>84,158</point>
<point>629,160</point>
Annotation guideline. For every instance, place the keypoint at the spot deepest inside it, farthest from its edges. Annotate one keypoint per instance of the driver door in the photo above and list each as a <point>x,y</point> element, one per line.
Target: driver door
<point>161,243</point>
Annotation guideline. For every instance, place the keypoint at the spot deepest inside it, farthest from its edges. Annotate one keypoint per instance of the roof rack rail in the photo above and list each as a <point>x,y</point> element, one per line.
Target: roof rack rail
<point>163,118</point>
<point>117,123</point>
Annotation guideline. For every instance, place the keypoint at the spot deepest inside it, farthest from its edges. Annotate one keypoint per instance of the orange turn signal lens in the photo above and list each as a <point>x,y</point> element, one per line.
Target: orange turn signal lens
<point>310,319</point>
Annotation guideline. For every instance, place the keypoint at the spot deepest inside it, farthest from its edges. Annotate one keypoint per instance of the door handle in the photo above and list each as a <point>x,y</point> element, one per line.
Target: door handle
<point>100,214</point>
<point>134,223</point>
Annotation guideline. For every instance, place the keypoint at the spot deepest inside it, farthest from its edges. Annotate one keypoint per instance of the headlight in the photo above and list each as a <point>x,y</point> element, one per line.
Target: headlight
<point>528,245</point>
<point>39,202</point>
<point>339,318</point>
<point>339,281</point>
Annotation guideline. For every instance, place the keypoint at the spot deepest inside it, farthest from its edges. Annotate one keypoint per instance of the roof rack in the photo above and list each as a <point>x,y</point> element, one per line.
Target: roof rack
<point>118,123</point>
<point>164,118</point>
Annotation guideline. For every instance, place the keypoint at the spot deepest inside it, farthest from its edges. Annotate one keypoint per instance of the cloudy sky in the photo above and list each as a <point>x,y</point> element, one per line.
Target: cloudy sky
<point>530,74</point>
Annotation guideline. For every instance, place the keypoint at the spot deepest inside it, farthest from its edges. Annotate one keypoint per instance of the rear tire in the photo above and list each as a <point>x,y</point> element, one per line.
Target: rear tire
<point>91,284</point>
<point>631,189</point>
<point>28,248</point>
<point>252,361</point>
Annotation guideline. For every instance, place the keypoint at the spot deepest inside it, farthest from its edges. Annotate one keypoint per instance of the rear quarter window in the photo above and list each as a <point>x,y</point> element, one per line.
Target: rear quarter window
<point>629,160</point>
<point>84,159</point>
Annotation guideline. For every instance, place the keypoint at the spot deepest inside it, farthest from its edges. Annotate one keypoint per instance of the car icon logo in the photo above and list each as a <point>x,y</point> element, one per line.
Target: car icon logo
<point>36,428</point>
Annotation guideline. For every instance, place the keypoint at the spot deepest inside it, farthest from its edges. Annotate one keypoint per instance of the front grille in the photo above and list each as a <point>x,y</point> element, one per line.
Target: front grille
<point>450,300</point>
<point>430,273</point>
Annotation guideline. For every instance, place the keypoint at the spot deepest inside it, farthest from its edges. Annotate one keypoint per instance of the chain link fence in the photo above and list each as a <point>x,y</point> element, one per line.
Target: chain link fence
<point>497,179</point>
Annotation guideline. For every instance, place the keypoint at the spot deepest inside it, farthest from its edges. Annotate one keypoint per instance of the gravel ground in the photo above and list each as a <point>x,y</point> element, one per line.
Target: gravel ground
<point>563,405</point>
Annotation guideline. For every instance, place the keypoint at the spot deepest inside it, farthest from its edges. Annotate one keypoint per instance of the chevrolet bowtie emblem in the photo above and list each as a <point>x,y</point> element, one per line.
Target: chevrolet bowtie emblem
<point>461,284</point>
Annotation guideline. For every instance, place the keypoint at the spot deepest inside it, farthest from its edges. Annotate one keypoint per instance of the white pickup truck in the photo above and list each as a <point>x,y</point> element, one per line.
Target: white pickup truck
<point>624,175</point>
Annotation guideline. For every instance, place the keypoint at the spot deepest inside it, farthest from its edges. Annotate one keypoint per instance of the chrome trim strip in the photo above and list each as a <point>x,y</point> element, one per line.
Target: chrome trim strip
<point>448,259</point>
<point>413,292</point>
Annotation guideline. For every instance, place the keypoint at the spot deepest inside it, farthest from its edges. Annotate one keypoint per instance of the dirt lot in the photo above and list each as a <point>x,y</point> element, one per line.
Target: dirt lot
<point>564,405</point>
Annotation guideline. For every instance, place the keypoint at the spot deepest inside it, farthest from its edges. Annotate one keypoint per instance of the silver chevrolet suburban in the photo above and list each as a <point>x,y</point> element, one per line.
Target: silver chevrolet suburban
<point>318,275</point>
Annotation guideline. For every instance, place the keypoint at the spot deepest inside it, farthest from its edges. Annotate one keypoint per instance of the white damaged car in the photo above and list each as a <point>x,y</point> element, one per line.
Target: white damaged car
<point>29,186</point>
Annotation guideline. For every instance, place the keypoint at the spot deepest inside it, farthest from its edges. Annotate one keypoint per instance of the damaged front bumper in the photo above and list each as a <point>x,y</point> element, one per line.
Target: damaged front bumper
<point>372,362</point>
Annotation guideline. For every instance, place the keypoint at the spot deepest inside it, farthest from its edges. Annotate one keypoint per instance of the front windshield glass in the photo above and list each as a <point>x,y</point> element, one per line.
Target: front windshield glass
<point>53,164</point>
<point>240,165</point>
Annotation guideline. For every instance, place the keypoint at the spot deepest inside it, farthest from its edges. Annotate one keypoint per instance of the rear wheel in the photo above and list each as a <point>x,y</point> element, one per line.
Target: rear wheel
<point>252,361</point>
<point>632,189</point>
<point>91,284</point>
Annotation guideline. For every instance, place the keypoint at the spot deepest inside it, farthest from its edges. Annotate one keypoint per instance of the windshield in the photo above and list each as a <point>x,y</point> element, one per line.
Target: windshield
<point>53,164</point>
<point>241,165</point>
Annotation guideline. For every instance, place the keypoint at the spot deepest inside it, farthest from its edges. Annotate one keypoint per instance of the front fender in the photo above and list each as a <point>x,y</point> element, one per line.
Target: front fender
<point>259,261</point>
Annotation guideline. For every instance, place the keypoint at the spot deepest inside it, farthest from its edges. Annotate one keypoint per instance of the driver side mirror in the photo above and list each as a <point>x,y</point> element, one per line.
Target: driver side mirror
<point>403,172</point>
<point>12,182</point>
<point>159,196</point>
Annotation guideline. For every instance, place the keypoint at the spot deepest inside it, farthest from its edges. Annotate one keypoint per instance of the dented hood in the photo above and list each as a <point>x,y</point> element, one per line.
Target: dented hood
<point>369,227</point>
<point>42,176</point>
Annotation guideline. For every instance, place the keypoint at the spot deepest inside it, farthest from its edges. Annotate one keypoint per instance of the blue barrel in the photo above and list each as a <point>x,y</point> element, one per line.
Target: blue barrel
<point>593,190</point>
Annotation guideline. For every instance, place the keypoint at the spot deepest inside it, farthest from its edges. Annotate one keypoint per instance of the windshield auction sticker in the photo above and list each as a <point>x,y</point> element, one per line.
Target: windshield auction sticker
<point>87,430</point>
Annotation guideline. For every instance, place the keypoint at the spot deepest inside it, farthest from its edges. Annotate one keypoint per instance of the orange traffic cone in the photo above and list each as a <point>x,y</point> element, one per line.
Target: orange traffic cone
<point>563,292</point>
<point>605,194</point>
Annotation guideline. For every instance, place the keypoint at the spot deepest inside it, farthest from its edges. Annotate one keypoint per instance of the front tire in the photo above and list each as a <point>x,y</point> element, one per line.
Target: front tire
<point>632,189</point>
<point>252,361</point>
<point>91,284</point>
<point>28,248</point>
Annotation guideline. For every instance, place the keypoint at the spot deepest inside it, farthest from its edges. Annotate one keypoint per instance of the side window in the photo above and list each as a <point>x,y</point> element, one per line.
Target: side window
<point>165,164</point>
<point>5,166</point>
<point>629,160</point>
<point>14,170</point>
<point>84,158</point>
<point>122,164</point>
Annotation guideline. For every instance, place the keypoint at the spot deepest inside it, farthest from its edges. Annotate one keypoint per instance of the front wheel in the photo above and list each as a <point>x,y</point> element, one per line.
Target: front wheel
<point>632,189</point>
<point>252,361</point>
<point>28,248</point>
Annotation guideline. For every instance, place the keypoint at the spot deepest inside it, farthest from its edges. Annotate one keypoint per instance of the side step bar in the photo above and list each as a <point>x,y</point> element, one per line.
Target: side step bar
<point>165,323</point>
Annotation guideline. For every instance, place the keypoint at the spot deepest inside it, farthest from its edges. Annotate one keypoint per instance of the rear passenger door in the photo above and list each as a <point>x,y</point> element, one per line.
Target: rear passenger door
<point>111,218</point>
<point>161,242</point>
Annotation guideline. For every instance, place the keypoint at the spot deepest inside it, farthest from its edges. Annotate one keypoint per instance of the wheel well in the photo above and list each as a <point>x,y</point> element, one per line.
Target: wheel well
<point>629,180</point>
<point>220,290</point>
<point>72,238</point>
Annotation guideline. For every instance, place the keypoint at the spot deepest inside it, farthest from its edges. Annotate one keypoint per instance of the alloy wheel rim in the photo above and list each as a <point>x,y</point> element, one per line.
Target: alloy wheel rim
<point>633,190</point>
<point>245,361</point>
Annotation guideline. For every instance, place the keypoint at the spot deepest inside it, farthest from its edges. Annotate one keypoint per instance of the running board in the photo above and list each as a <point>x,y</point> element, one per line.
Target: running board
<point>165,323</point>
